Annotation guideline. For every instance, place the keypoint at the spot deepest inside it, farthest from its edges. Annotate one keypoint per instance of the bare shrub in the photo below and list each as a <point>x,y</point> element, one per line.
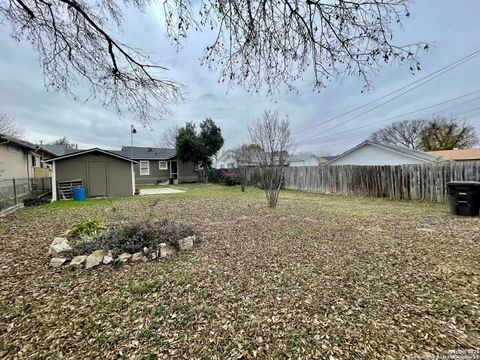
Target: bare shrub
<point>273,138</point>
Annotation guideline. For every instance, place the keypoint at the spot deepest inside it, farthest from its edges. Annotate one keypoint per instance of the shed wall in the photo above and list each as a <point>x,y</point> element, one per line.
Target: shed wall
<point>119,175</point>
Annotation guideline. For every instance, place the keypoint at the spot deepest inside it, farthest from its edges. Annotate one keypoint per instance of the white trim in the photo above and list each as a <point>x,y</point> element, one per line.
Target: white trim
<point>160,165</point>
<point>54,182</point>
<point>82,152</point>
<point>140,167</point>
<point>133,179</point>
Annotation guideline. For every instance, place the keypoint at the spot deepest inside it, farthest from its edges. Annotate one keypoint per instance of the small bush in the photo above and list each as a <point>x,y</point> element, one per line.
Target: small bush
<point>213,176</point>
<point>87,229</point>
<point>228,177</point>
<point>35,201</point>
<point>133,237</point>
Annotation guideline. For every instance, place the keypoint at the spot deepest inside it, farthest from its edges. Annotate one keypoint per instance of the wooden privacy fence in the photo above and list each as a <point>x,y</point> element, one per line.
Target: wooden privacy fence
<point>414,182</point>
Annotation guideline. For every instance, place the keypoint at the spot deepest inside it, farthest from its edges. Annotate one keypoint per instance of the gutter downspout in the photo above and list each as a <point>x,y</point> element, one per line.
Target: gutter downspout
<point>54,181</point>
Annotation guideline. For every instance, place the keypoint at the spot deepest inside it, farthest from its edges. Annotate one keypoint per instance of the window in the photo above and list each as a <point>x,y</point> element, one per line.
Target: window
<point>144,168</point>
<point>163,165</point>
<point>13,149</point>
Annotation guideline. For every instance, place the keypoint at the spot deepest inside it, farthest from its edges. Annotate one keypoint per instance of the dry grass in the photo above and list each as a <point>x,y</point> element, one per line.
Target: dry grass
<point>317,277</point>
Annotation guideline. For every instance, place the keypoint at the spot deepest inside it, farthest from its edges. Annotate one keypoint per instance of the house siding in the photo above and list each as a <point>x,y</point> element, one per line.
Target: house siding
<point>119,175</point>
<point>307,162</point>
<point>13,164</point>
<point>372,155</point>
<point>156,175</point>
<point>186,172</point>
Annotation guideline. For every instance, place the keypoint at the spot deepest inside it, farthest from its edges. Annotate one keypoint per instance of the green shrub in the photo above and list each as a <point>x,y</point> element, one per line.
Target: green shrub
<point>133,237</point>
<point>213,176</point>
<point>87,229</point>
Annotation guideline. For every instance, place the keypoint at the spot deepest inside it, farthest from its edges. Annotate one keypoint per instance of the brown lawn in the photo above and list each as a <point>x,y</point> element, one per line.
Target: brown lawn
<point>318,277</point>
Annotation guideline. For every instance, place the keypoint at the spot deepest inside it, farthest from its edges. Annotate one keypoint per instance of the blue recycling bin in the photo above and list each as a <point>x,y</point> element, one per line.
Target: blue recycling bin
<point>78,194</point>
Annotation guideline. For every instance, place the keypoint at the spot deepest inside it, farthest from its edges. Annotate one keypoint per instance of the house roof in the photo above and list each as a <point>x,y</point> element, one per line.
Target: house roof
<point>83,152</point>
<point>147,153</point>
<point>459,154</point>
<point>25,144</point>
<point>22,143</point>
<point>302,157</point>
<point>57,150</point>
<point>415,154</point>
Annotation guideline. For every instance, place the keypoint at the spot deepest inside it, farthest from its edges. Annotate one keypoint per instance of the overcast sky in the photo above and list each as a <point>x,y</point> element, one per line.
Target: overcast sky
<point>452,27</point>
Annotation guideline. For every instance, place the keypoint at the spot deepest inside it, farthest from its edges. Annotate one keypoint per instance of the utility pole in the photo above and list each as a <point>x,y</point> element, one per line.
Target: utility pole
<point>132,132</point>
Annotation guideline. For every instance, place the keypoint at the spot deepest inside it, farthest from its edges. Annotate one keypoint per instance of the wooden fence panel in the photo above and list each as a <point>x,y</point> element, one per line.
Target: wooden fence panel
<point>413,181</point>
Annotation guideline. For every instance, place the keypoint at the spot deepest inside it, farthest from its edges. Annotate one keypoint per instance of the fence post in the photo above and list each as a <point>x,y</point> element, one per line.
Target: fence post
<point>14,191</point>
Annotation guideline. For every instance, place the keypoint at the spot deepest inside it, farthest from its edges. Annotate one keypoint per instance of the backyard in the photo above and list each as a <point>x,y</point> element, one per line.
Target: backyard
<point>320,276</point>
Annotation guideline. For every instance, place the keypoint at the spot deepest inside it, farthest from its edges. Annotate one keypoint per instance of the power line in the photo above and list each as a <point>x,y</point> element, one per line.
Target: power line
<point>309,139</point>
<point>475,110</point>
<point>438,72</point>
<point>385,102</point>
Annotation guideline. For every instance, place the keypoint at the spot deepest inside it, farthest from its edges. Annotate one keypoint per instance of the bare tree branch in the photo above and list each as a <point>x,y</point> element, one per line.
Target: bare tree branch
<point>269,43</point>
<point>74,47</point>
<point>9,127</point>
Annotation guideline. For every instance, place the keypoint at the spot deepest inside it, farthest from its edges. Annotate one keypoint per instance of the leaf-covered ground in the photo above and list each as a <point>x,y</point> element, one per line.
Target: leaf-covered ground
<point>318,277</point>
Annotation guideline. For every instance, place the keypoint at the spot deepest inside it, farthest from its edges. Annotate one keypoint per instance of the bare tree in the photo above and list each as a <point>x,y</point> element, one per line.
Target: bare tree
<point>69,144</point>
<point>258,42</point>
<point>404,132</point>
<point>244,157</point>
<point>9,127</point>
<point>274,141</point>
<point>442,133</point>
<point>169,137</point>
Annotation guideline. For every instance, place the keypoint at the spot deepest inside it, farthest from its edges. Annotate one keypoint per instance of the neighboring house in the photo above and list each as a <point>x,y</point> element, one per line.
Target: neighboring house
<point>303,160</point>
<point>156,165</point>
<point>226,160</point>
<point>20,159</point>
<point>101,172</point>
<point>458,155</point>
<point>325,159</point>
<point>370,153</point>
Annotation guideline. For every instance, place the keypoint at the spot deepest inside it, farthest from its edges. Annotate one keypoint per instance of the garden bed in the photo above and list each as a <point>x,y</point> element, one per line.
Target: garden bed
<point>92,242</point>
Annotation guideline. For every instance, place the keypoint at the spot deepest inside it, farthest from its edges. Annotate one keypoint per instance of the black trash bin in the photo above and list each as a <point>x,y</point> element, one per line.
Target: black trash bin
<point>464,197</point>
<point>170,181</point>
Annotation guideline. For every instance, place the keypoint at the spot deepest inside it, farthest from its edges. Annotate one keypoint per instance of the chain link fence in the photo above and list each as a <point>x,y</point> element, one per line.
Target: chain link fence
<point>14,191</point>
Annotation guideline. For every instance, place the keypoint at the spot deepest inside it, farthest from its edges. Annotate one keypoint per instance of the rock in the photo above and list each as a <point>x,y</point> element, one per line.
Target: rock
<point>108,258</point>
<point>57,262</point>
<point>186,243</point>
<point>59,246</point>
<point>152,255</point>
<point>166,250</point>
<point>94,259</point>
<point>137,256</point>
<point>124,257</point>
<point>78,261</point>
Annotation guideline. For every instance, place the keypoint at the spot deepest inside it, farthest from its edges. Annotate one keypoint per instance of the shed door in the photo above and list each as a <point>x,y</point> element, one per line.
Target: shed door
<point>97,178</point>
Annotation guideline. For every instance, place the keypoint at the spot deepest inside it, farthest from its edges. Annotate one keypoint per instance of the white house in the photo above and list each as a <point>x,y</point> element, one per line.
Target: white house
<point>303,160</point>
<point>226,160</point>
<point>370,153</point>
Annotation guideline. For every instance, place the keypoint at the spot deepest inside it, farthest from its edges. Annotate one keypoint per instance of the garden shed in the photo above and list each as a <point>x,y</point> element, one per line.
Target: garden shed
<point>102,173</point>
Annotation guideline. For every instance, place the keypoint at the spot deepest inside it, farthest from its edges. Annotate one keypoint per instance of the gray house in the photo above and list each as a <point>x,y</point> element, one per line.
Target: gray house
<point>156,165</point>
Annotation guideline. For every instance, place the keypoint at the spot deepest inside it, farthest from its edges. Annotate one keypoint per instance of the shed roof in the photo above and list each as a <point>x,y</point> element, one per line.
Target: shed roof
<point>83,152</point>
<point>459,154</point>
